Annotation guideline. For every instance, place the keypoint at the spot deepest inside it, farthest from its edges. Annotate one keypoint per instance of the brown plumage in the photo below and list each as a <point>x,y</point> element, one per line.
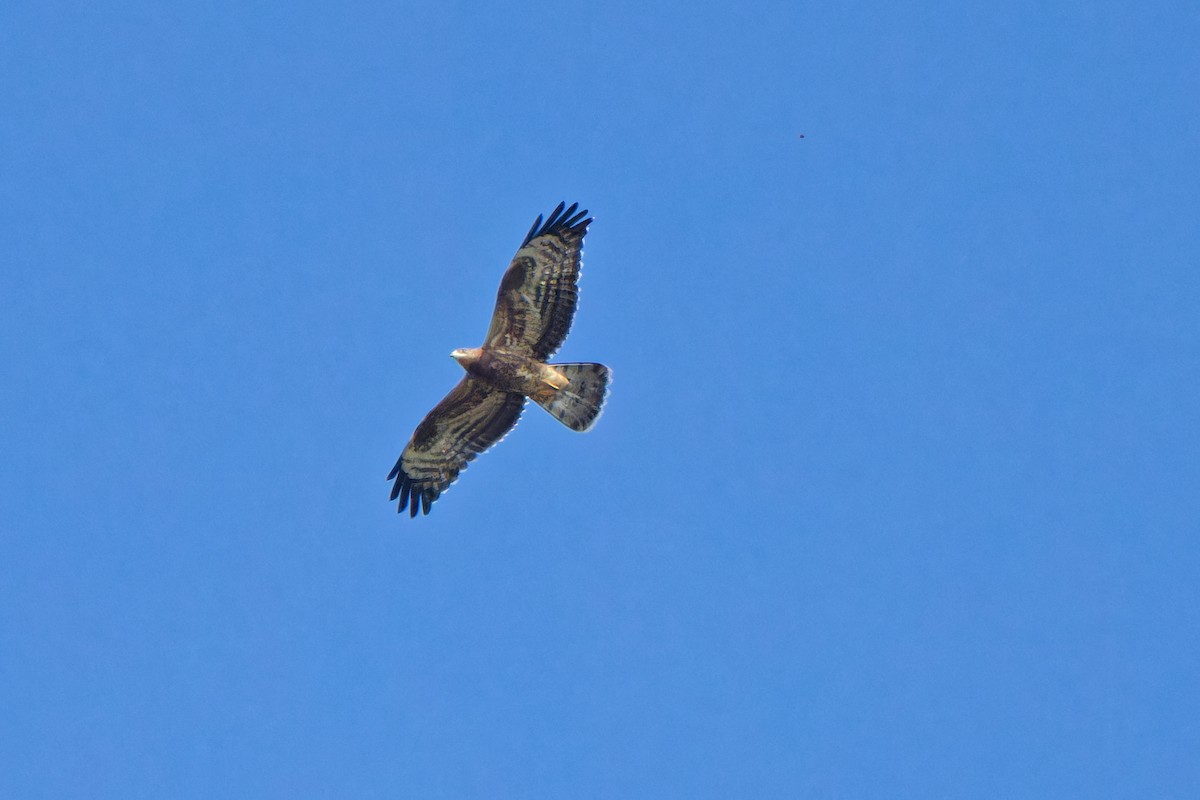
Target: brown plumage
<point>534,308</point>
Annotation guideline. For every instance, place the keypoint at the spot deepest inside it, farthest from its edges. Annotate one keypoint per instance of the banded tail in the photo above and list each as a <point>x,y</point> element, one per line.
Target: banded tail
<point>578,404</point>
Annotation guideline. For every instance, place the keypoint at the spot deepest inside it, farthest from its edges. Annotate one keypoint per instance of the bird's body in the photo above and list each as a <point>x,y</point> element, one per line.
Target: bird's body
<point>534,309</point>
<point>510,372</point>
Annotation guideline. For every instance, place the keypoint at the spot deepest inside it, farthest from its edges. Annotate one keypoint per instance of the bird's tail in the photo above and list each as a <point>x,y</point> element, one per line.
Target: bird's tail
<point>578,404</point>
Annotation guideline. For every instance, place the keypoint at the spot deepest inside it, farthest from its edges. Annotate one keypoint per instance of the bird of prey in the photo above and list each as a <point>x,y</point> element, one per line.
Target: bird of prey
<point>534,308</point>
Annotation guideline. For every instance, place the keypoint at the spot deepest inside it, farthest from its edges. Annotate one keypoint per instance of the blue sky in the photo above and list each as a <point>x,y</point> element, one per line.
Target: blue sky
<point>895,495</point>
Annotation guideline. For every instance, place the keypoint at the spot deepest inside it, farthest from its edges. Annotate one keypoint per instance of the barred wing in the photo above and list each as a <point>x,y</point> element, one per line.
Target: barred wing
<point>538,294</point>
<point>469,420</point>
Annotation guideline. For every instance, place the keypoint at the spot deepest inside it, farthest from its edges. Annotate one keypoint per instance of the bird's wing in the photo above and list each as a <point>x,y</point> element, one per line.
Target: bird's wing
<point>538,293</point>
<point>469,420</point>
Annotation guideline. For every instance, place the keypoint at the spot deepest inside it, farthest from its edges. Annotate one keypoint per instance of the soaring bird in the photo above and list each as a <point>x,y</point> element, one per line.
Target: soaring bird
<point>534,309</point>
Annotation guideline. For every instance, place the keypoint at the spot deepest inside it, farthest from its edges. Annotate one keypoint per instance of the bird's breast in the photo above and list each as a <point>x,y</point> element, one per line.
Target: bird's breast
<point>515,373</point>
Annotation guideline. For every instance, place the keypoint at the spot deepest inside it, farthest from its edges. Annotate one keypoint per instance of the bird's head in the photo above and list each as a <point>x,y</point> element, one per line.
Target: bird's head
<point>466,356</point>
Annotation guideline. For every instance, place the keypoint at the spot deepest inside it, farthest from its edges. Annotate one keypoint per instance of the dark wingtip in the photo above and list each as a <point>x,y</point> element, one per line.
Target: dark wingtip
<point>412,496</point>
<point>561,219</point>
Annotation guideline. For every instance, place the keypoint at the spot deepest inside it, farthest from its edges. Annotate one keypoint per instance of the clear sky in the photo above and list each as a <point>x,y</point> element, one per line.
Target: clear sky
<point>896,494</point>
